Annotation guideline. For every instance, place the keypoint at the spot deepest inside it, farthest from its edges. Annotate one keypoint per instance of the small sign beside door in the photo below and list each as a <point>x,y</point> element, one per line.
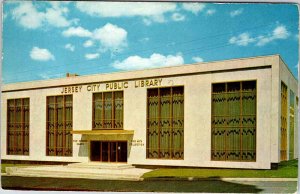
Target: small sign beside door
<point>136,142</point>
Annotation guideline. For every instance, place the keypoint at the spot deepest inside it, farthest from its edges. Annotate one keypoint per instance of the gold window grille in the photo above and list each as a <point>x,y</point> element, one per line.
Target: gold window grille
<point>292,125</point>
<point>59,125</point>
<point>18,111</point>
<point>165,123</point>
<point>233,134</point>
<point>108,110</point>
<point>283,128</point>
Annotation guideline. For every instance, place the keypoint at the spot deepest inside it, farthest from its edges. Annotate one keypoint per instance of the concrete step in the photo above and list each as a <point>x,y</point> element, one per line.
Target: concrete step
<point>82,176</point>
<point>70,172</point>
<point>101,165</point>
<point>131,174</point>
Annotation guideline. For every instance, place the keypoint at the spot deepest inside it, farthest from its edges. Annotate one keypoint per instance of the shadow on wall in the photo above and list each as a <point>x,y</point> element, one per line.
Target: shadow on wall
<point>83,147</point>
<point>129,146</point>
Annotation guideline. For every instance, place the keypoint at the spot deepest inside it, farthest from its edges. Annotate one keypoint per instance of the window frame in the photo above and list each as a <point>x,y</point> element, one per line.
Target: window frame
<point>113,116</point>
<point>284,115</point>
<point>23,136</point>
<point>147,123</point>
<point>64,142</point>
<point>240,91</point>
<point>291,124</point>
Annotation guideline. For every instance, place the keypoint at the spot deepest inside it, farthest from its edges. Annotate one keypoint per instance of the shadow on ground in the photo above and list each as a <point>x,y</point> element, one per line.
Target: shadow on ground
<point>68,184</point>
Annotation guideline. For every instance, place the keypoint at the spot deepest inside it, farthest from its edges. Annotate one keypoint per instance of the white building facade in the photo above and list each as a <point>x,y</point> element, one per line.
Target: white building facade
<point>238,113</point>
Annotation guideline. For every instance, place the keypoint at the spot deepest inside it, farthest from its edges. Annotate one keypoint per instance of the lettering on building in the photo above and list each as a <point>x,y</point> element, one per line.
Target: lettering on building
<point>136,142</point>
<point>71,89</point>
<point>93,87</point>
<point>80,141</point>
<point>116,85</point>
<point>147,83</point>
<point>112,86</point>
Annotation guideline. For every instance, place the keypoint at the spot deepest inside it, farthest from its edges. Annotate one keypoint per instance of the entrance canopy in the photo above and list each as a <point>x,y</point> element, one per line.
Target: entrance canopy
<point>103,132</point>
<point>109,135</point>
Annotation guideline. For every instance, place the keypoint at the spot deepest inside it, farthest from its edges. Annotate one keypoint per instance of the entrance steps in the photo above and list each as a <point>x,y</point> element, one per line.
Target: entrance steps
<point>101,165</point>
<point>81,170</point>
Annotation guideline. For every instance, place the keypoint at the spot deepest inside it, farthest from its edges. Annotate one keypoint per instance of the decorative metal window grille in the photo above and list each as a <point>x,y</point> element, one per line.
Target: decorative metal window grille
<point>283,128</point>
<point>59,125</point>
<point>18,126</point>
<point>233,135</point>
<point>108,110</point>
<point>292,125</point>
<point>165,123</point>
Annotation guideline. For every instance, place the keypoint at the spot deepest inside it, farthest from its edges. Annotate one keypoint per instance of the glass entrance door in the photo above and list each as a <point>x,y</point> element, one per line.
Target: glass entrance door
<point>108,151</point>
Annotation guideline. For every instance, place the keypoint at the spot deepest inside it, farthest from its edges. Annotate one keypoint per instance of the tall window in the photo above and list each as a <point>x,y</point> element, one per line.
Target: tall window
<point>165,123</point>
<point>18,126</point>
<point>59,125</point>
<point>283,128</point>
<point>108,110</point>
<point>233,135</point>
<point>292,124</point>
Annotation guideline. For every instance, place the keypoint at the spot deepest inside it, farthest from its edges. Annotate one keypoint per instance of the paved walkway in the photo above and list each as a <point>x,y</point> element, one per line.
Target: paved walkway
<point>81,170</point>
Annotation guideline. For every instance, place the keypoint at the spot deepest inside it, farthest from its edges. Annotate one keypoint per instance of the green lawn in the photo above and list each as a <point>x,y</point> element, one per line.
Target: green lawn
<point>286,169</point>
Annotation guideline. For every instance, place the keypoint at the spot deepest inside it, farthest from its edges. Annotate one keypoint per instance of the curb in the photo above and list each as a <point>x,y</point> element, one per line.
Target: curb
<point>262,179</point>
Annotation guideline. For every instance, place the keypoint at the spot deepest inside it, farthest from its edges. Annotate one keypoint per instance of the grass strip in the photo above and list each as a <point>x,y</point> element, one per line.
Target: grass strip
<point>286,169</point>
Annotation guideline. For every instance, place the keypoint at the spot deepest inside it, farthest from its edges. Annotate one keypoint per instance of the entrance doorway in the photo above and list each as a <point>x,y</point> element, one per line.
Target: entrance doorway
<point>108,151</point>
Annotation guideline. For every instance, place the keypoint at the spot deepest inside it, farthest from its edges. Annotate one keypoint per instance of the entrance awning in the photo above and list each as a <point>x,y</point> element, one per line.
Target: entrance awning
<point>103,132</point>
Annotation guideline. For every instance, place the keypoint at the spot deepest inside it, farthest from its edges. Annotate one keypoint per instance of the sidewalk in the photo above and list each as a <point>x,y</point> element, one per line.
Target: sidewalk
<point>222,179</point>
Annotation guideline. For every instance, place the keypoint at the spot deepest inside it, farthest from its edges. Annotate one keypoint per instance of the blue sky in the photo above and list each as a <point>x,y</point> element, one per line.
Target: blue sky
<point>44,40</point>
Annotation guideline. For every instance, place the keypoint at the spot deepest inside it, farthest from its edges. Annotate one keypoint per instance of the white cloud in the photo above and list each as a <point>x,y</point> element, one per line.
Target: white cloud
<point>241,40</point>
<point>236,12</point>
<point>178,17</point>
<point>210,12</point>
<point>70,47</point>
<point>152,11</point>
<point>195,8</point>
<point>263,40</point>
<point>88,43</point>
<point>91,56</point>
<point>28,16</point>
<point>158,18</point>
<point>44,75</point>
<point>154,61</point>
<point>54,16</point>
<point>128,9</point>
<point>147,21</point>
<point>144,40</point>
<point>40,54</point>
<point>197,59</point>
<point>111,37</point>
<point>77,31</point>
<point>280,32</point>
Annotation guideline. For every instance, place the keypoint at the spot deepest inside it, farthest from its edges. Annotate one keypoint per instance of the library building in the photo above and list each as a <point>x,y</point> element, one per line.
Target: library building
<point>238,113</point>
